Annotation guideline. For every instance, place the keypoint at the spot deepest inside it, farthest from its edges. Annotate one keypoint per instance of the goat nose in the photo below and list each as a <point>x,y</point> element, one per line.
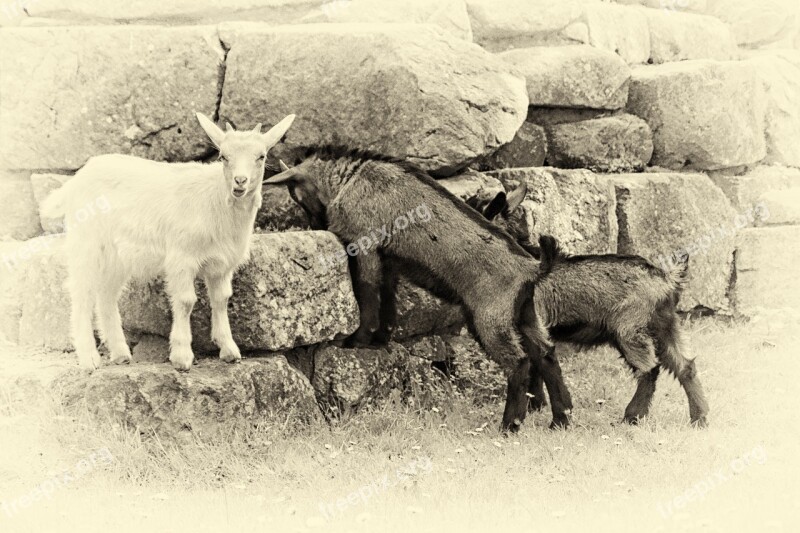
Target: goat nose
<point>240,180</point>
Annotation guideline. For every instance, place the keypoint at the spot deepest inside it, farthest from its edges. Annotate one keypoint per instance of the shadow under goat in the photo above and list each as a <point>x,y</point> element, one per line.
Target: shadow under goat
<point>393,219</point>
<point>620,300</point>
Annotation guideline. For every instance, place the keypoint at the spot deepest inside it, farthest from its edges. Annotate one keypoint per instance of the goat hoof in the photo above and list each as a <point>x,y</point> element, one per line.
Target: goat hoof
<point>561,422</point>
<point>90,362</point>
<point>230,355</point>
<point>181,360</point>
<point>121,357</point>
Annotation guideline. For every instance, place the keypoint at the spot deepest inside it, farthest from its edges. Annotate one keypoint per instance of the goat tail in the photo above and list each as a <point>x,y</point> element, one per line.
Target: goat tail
<point>678,273</point>
<point>54,206</point>
<point>549,253</point>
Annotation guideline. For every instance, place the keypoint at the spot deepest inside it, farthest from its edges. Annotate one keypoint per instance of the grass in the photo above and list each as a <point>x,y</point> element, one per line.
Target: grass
<point>457,472</point>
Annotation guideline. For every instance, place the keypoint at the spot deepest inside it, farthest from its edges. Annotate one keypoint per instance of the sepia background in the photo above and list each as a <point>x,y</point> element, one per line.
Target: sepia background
<point>659,128</point>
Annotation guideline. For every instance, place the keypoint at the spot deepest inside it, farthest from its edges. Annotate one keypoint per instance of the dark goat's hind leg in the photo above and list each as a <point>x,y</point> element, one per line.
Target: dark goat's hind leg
<point>639,405</point>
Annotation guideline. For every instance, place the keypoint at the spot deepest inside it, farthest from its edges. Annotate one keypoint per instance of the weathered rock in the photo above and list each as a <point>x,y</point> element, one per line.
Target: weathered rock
<point>433,348</point>
<point>575,206</point>
<point>661,219</point>
<point>527,149</point>
<point>783,207</point>
<point>43,185</point>
<point>572,76</point>
<point>621,143</point>
<point>499,25</point>
<point>766,269</point>
<point>680,102</point>
<point>449,16</point>
<point>443,102</point>
<point>11,272</point>
<point>284,296</point>
<point>349,379</point>
<point>421,313</point>
<point>761,195</point>
<point>19,216</point>
<point>619,29</point>
<point>779,71</point>
<point>107,89</point>
<point>671,6</point>
<point>179,12</point>
<point>470,184</point>
<point>547,116</point>
<point>151,349</point>
<point>279,212</point>
<point>756,24</point>
<point>213,397</point>
<point>676,36</point>
<point>45,303</point>
<point>473,374</point>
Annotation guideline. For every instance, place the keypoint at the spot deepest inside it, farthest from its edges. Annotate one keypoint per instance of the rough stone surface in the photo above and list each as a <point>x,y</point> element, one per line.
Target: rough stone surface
<point>572,76</point>
<point>766,269</point>
<point>421,313</point>
<point>676,36</point>
<point>619,29</point>
<point>680,102</point>
<point>151,349</point>
<point>19,215</point>
<point>442,102</point>
<point>471,184</point>
<point>660,218</point>
<point>43,185</point>
<point>449,16</point>
<point>783,206</point>
<point>105,89</point>
<point>621,143</point>
<point>11,272</point>
<point>761,190</point>
<point>45,303</point>
<point>213,397</point>
<point>575,206</point>
<point>757,24</point>
<point>527,149</point>
<point>350,379</point>
<point>696,6</point>
<point>179,12</point>
<point>472,373</point>
<point>779,71</point>
<point>547,116</point>
<point>283,297</point>
<point>499,25</point>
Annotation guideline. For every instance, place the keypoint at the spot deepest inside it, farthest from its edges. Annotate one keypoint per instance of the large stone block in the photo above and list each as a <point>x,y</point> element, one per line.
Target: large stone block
<point>528,148</point>
<point>215,397</point>
<point>19,214</point>
<point>662,217</point>
<point>619,29</point>
<point>11,275</point>
<point>680,101</point>
<point>575,206</point>
<point>405,90</point>
<point>499,25</point>
<point>288,294</point>
<point>622,143</point>
<point>676,36</point>
<point>766,269</point>
<point>779,71</point>
<point>120,89</point>
<point>758,24</point>
<point>421,313</point>
<point>449,16</point>
<point>572,76</point>
<point>764,195</point>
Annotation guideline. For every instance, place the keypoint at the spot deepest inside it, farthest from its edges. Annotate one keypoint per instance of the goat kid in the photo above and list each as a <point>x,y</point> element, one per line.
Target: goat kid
<point>455,253</point>
<point>621,300</point>
<point>177,219</point>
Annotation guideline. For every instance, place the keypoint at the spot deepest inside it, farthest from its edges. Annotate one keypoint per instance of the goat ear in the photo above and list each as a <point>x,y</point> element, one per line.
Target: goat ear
<point>287,175</point>
<point>276,133</point>
<point>212,130</point>
<point>516,197</point>
<point>495,207</point>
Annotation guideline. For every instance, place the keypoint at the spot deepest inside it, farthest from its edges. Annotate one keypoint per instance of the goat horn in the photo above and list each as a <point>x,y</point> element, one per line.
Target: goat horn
<point>228,127</point>
<point>257,129</point>
<point>284,168</point>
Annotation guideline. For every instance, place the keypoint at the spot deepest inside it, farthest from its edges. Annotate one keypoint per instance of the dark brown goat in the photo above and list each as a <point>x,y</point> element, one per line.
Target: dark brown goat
<point>395,219</point>
<point>621,300</point>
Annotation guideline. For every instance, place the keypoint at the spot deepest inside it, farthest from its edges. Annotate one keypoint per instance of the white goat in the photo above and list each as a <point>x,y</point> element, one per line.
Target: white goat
<point>177,219</point>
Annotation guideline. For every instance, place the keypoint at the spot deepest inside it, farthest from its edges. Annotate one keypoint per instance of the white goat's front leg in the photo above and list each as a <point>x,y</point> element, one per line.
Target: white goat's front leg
<point>108,315</point>
<point>219,292</point>
<point>82,295</point>
<point>180,287</point>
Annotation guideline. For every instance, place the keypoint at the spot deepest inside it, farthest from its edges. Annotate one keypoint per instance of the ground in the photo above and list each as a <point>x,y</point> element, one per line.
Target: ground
<point>442,469</point>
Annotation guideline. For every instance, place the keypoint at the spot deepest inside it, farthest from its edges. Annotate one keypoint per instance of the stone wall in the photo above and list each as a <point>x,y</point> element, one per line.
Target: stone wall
<point>654,127</point>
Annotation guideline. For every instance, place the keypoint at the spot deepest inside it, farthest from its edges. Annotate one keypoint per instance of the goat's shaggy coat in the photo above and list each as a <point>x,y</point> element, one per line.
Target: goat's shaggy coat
<point>455,253</point>
<point>621,300</point>
<point>181,220</point>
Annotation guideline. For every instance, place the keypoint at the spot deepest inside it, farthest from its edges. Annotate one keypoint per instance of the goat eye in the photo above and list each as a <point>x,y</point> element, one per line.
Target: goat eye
<point>261,157</point>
